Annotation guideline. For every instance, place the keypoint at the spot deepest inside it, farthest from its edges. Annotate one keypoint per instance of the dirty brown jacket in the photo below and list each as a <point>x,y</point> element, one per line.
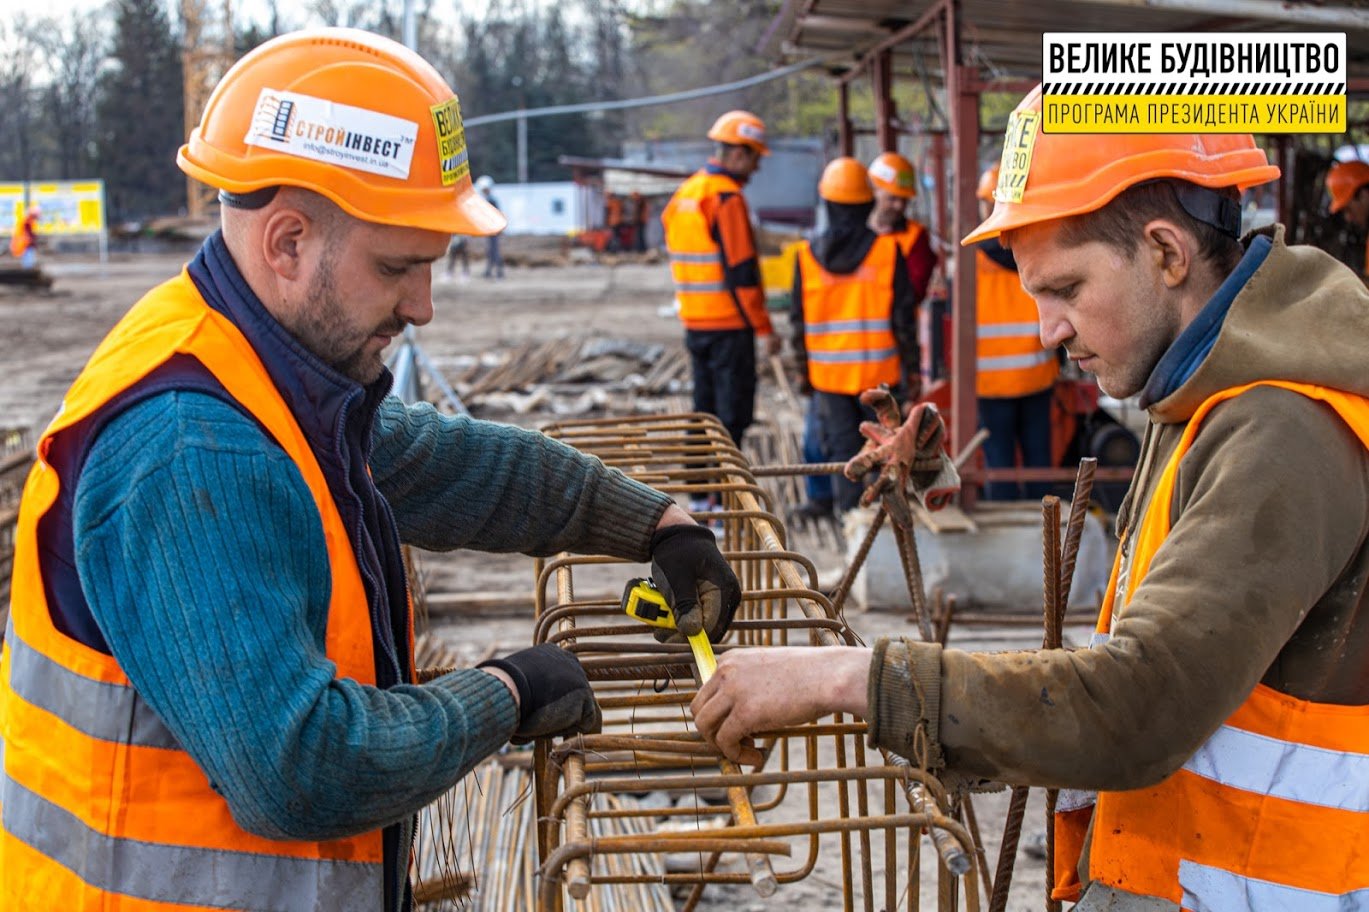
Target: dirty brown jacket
<point>1262,578</point>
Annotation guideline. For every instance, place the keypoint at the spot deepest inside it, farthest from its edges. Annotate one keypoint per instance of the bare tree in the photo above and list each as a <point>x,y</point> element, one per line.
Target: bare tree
<point>74,54</point>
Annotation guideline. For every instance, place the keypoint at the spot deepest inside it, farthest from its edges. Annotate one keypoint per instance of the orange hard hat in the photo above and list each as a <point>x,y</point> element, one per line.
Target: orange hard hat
<point>1344,180</point>
<point>987,181</point>
<point>740,128</point>
<point>894,174</point>
<point>845,180</point>
<point>1046,176</point>
<point>348,114</point>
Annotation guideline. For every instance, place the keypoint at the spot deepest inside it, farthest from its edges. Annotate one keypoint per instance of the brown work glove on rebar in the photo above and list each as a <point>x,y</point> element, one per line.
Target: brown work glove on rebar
<point>554,696</point>
<point>908,453</point>
<point>696,580</point>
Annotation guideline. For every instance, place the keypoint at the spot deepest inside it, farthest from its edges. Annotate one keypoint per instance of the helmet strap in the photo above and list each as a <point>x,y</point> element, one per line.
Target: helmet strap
<point>1210,207</point>
<point>254,199</point>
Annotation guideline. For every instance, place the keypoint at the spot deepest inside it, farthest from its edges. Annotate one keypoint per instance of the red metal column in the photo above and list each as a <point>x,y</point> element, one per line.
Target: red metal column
<point>963,101</point>
<point>881,77</point>
<point>939,225</point>
<point>844,137</point>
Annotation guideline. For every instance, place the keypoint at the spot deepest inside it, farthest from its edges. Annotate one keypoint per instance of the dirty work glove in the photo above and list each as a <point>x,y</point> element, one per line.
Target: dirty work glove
<point>554,697</point>
<point>696,581</point>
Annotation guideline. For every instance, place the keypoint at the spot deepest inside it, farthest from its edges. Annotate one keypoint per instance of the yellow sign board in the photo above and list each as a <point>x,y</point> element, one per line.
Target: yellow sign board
<point>65,207</point>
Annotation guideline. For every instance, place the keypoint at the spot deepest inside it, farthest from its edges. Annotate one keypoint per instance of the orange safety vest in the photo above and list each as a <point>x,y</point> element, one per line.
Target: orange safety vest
<point>696,258</point>
<point>22,238</point>
<point>101,807</point>
<point>1009,359</point>
<point>847,328</point>
<point>1271,812</point>
<point>908,236</point>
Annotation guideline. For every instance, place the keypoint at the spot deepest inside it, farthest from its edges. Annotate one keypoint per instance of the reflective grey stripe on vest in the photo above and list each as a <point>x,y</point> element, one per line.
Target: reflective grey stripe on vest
<point>851,357</point>
<point>707,258</point>
<point>845,326</point>
<point>1013,362</point>
<point>695,287</point>
<point>158,872</point>
<point>109,712</point>
<point>1217,890</point>
<point>1295,772</point>
<point>1008,330</point>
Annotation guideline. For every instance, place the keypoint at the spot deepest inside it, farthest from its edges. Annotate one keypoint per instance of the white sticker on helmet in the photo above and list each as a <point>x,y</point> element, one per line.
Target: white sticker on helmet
<point>337,134</point>
<point>751,131</point>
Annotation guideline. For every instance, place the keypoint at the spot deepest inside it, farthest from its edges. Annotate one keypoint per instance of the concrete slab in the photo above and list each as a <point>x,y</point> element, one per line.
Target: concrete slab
<point>997,567</point>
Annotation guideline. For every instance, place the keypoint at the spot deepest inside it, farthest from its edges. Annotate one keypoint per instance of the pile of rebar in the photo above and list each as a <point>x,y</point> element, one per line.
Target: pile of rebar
<point>871,808</point>
<point>16,458</point>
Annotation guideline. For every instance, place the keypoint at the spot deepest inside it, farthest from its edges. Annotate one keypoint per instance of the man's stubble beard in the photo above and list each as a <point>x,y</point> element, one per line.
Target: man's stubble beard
<point>323,328</point>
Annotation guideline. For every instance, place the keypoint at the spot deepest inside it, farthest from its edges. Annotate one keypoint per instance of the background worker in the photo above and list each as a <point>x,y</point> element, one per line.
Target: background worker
<point>716,268</point>
<point>208,696</point>
<point>494,258</point>
<point>641,210</point>
<point>1346,236</point>
<point>895,182</point>
<point>24,242</point>
<point>613,220</point>
<point>460,249</point>
<point>1014,375</point>
<point>853,319</point>
<point>1222,713</point>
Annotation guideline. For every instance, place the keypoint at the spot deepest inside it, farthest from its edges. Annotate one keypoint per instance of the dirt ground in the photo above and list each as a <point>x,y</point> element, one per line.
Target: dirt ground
<point>47,336</point>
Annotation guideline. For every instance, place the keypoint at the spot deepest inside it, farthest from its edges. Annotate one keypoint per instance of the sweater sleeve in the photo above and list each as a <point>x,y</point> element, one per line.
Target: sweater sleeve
<point>921,261</point>
<point>1273,497</point>
<point>201,555</point>
<point>741,261</point>
<point>456,482</point>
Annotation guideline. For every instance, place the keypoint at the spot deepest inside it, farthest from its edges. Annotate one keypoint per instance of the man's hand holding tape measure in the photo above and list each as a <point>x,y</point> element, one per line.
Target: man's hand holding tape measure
<point>696,580</point>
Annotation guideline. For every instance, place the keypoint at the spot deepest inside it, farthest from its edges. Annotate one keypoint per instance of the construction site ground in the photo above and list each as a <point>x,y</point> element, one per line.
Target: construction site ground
<point>47,336</point>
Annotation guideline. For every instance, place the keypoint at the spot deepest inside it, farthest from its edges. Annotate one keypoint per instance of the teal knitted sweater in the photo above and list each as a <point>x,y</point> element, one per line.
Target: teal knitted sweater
<point>201,555</point>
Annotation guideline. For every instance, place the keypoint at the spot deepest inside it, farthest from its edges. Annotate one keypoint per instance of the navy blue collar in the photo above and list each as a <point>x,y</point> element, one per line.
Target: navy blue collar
<point>714,167</point>
<point>329,406</point>
<point>1188,351</point>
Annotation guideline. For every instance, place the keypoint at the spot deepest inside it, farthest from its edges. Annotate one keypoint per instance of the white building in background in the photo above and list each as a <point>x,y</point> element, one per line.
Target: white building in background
<point>559,208</point>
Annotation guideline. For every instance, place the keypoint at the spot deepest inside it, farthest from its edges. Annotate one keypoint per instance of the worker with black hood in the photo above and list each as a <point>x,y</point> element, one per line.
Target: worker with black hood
<point>853,315</point>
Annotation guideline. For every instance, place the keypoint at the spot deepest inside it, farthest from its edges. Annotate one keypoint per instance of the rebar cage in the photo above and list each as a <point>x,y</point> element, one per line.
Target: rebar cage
<point>704,807</point>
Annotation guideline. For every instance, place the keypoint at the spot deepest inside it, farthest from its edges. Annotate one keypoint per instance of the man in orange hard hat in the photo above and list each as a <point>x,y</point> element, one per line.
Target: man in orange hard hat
<point>1347,183</point>
<point>1014,374</point>
<point>716,268</point>
<point>853,317</point>
<point>1213,739</point>
<point>207,694</point>
<point>895,181</point>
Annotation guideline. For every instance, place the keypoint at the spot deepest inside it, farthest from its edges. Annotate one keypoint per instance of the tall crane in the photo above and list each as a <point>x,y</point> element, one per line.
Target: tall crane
<point>207,51</point>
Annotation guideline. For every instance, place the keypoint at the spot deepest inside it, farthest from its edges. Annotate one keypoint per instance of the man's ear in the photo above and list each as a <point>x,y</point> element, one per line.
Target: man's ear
<point>285,231</point>
<point>1171,249</point>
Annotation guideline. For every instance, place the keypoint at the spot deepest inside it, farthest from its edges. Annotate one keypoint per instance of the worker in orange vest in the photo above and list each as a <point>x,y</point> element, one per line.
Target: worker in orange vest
<point>895,182</point>
<point>613,220</point>
<point>716,268</point>
<point>1347,234</point>
<point>1014,375</point>
<point>1214,740</point>
<point>208,692</point>
<point>640,212</point>
<point>852,317</point>
<point>24,241</point>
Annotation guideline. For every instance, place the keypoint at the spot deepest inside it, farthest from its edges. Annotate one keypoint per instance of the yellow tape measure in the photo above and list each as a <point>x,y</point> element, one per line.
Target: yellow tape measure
<point>643,601</point>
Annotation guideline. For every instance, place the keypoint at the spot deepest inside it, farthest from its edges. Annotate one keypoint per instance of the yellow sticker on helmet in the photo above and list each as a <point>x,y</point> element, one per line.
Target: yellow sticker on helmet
<point>451,141</point>
<point>1018,142</point>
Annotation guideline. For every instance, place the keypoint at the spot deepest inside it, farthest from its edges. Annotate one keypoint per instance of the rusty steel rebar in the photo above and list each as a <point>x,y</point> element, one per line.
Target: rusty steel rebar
<point>648,742</point>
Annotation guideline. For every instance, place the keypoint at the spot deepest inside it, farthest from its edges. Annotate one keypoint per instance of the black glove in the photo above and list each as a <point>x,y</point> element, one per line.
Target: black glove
<point>554,696</point>
<point>696,581</point>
